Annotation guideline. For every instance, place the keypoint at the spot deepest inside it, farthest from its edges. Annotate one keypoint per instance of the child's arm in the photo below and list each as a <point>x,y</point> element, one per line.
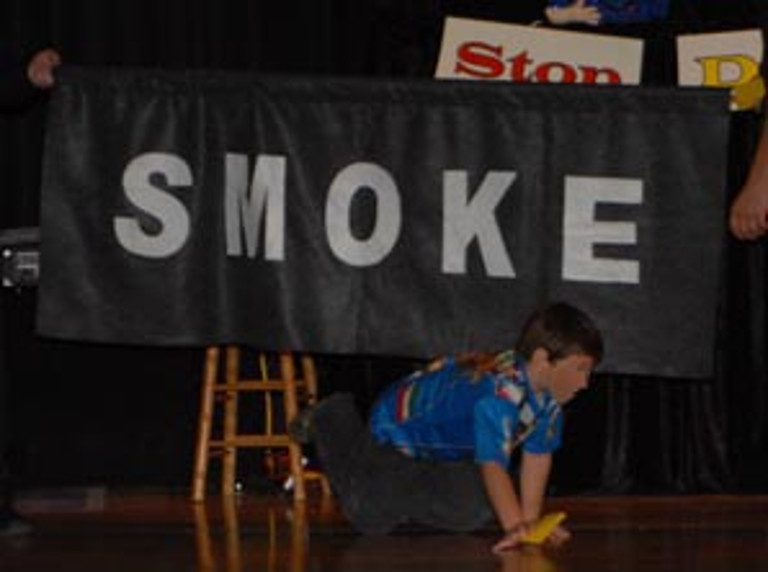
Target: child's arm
<point>534,475</point>
<point>749,212</point>
<point>501,493</point>
<point>518,516</point>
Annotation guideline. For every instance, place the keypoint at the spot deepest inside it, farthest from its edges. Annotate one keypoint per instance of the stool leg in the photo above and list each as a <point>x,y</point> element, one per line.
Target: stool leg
<point>229,451</point>
<point>231,534</point>
<point>291,409</point>
<point>205,558</point>
<point>204,423</point>
<point>309,374</point>
<point>310,382</point>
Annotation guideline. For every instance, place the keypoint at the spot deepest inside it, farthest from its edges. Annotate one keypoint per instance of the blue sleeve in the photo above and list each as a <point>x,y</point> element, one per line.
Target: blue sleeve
<point>546,437</point>
<point>567,3</point>
<point>494,422</point>
<point>559,3</point>
<point>643,11</point>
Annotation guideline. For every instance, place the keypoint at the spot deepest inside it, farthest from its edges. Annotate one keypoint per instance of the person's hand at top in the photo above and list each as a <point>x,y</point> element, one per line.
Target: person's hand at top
<point>576,13</point>
<point>749,214</point>
<point>748,218</point>
<point>41,67</point>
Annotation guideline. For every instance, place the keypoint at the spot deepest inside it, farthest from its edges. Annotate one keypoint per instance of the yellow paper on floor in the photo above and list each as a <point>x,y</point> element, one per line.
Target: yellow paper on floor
<point>544,527</point>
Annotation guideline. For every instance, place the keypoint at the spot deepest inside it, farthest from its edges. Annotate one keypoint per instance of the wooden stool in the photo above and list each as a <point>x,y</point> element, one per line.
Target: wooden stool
<point>295,391</point>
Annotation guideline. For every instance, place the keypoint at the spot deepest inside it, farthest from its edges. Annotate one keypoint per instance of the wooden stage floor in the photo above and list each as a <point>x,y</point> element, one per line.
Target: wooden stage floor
<point>96,530</point>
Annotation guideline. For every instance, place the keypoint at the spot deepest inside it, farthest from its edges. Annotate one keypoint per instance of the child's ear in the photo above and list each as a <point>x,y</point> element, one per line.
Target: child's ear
<point>540,356</point>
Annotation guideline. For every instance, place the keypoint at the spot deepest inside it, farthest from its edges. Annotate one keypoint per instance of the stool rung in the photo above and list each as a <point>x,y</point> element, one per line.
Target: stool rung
<point>222,380</point>
<point>252,385</point>
<point>252,441</point>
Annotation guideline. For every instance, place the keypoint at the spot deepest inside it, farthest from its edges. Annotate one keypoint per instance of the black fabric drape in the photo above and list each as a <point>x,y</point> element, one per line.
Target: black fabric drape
<point>625,435</point>
<point>300,292</point>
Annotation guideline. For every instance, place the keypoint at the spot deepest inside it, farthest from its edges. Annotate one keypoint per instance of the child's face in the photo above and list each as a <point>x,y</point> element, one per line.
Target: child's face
<point>567,376</point>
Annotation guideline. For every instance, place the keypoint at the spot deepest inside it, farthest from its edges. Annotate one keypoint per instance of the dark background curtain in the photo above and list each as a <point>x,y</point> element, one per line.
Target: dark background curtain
<point>126,416</point>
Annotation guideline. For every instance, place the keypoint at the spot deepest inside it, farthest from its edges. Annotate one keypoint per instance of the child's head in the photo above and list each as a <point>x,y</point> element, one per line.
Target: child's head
<point>561,346</point>
<point>562,330</point>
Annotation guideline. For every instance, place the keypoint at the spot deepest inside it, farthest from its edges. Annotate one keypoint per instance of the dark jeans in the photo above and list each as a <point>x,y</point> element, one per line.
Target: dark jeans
<point>379,487</point>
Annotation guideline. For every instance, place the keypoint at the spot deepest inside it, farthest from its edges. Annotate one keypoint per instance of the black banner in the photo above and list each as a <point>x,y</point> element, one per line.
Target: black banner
<point>409,218</point>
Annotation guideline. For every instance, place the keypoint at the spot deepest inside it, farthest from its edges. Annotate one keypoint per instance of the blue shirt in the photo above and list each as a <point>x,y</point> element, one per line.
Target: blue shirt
<point>624,11</point>
<point>450,413</point>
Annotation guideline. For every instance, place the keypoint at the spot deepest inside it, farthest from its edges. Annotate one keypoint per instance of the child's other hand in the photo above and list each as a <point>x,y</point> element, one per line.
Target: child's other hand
<point>558,536</point>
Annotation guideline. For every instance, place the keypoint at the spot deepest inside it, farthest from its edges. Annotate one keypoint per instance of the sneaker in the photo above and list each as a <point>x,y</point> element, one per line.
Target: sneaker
<point>300,427</point>
<point>11,524</point>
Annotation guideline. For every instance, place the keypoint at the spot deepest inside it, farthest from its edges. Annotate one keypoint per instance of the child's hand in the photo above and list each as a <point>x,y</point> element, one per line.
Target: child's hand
<point>513,537</point>
<point>558,536</point>
<point>576,13</point>
<point>517,537</point>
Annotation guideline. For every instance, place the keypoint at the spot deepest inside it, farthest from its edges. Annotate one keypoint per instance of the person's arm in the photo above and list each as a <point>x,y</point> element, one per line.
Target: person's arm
<point>748,218</point>
<point>535,471</point>
<point>516,516</point>
<point>501,493</point>
<point>534,475</point>
<point>503,498</point>
<point>494,419</point>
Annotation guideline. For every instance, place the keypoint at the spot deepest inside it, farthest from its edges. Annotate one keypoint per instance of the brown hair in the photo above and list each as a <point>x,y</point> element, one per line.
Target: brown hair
<point>559,328</point>
<point>562,330</point>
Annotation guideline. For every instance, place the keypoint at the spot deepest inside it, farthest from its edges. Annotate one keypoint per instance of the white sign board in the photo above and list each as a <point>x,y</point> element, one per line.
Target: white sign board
<point>729,60</point>
<point>482,50</point>
<point>723,59</point>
